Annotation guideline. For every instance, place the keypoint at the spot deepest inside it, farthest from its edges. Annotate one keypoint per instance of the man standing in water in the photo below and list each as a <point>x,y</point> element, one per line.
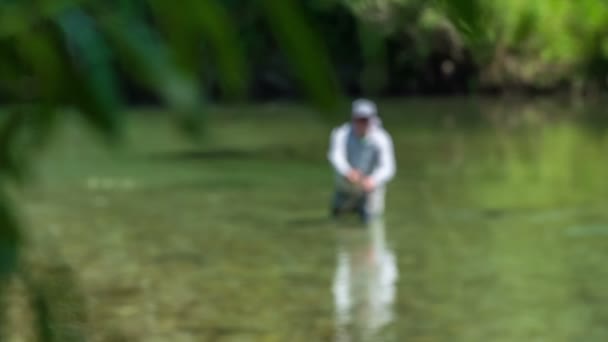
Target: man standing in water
<point>361,153</point>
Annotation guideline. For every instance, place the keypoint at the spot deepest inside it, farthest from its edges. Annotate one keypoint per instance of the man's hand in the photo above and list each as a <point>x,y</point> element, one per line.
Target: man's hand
<point>354,176</point>
<point>368,184</point>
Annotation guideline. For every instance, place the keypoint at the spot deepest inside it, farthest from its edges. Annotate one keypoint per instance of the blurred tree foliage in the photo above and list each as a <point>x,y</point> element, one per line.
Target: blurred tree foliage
<point>530,45</point>
<point>71,57</point>
<point>396,47</point>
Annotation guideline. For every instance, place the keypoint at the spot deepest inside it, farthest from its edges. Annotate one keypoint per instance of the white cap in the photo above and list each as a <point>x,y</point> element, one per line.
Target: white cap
<point>363,108</point>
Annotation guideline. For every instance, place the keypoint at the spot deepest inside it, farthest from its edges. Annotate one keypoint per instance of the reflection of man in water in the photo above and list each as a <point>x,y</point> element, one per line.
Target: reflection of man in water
<point>364,283</point>
<point>361,153</point>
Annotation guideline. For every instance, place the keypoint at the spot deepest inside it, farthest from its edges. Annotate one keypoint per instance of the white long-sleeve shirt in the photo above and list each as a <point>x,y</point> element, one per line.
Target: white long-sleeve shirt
<point>373,155</point>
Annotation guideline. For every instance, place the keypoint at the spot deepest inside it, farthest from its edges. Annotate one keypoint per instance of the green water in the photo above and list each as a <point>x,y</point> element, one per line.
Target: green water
<point>496,229</point>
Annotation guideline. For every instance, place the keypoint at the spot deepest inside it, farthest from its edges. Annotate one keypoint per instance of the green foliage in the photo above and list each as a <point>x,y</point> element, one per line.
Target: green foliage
<point>62,55</point>
<point>538,43</point>
<point>10,239</point>
<point>67,52</point>
<point>304,50</point>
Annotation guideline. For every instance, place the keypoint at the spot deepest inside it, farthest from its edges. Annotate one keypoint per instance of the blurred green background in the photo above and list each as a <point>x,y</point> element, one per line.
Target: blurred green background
<point>163,173</point>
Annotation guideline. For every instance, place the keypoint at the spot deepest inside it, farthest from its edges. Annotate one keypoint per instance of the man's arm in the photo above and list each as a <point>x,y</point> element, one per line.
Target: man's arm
<point>337,151</point>
<point>386,168</point>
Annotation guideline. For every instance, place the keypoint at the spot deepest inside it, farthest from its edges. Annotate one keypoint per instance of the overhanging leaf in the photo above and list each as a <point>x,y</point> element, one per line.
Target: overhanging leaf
<point>92,71</point>
<point>181,32</point>
<point>10,69</point>
<point>12,157</point>
<point>217,27</point>
<point>192,21</point>
<point>305,51</point>
<point>148,61</point>
<point>10,239</point>
<point>39,53</point>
